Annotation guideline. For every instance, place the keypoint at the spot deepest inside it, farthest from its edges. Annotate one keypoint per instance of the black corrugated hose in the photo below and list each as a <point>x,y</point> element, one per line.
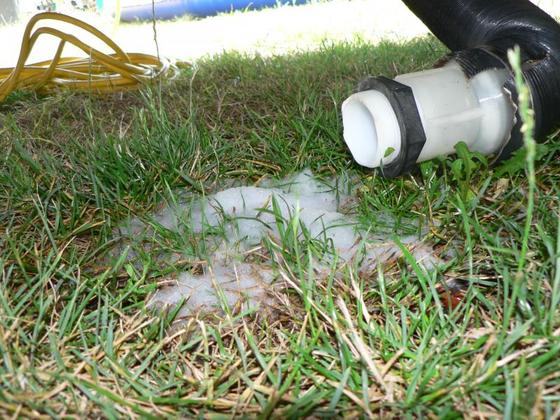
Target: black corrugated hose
<point>480,32</point>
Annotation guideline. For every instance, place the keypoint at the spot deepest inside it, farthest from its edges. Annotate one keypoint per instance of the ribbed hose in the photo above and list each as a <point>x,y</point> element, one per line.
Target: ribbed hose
<point>496,26</point>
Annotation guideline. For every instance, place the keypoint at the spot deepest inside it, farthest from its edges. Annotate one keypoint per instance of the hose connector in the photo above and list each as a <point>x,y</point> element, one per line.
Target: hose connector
<point>394,124</point>
<point>472,98</point>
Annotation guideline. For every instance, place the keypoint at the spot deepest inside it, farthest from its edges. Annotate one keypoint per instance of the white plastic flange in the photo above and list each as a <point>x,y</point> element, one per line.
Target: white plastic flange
<point>371,128</point>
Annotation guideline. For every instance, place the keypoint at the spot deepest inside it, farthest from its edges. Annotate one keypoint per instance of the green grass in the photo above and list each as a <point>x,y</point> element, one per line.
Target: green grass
<point>75,338</point>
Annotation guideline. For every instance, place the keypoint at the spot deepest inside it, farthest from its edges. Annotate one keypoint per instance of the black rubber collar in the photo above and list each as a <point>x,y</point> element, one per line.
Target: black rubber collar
<point>413,136</point>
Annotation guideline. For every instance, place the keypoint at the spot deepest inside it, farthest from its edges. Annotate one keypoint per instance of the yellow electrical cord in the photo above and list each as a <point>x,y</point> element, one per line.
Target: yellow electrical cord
<point>99,72</point>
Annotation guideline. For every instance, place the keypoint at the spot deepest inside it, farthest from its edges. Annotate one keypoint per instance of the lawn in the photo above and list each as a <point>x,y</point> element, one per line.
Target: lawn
<point>76,339</point>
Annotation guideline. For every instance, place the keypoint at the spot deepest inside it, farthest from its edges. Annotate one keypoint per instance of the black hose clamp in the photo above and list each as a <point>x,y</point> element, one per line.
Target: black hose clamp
<point>413,136</point>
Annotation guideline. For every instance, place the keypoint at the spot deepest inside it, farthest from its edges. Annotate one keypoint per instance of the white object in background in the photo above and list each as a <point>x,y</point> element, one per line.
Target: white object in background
<point>9,11</point>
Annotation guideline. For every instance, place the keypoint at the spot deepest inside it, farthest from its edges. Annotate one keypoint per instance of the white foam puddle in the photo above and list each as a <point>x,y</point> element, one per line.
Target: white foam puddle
<point>232,222</point>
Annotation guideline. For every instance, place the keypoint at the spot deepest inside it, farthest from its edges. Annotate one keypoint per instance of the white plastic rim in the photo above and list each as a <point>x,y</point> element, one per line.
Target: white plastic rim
<point>371,128</point>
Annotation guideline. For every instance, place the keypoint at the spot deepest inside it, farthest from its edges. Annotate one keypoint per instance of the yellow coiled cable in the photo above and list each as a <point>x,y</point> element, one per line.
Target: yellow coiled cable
<point>99,72</point>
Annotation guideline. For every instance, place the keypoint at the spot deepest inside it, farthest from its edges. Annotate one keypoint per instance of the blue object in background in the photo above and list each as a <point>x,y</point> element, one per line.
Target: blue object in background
<point>211,7</point>
<point>164,9</point>
<point>168,9</point>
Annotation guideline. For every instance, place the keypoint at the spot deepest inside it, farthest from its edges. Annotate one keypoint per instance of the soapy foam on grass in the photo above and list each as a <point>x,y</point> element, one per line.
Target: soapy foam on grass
<point>219,284</point>
<point>231,222</point>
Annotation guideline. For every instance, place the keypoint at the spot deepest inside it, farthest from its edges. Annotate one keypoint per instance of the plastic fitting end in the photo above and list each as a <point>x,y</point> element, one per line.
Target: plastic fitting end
<point>371,128</point>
